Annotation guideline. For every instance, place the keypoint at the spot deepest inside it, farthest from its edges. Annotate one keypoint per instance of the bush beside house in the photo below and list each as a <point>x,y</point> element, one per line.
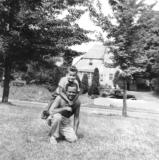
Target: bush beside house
<point>94,88</point>
<point>84,84</point>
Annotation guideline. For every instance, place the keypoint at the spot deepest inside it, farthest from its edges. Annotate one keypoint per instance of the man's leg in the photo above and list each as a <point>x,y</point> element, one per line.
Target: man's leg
<point>55,126</point>
<point>67,130</point>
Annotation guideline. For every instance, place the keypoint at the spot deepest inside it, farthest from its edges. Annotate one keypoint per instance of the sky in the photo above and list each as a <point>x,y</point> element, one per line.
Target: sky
<point>107,10</point>
<point>87,24</point>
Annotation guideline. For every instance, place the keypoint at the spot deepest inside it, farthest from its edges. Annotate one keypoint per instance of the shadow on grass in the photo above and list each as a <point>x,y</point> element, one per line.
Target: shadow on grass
<point>106,115</point>
<point>80,135</point>
<point>115,108</point>
<point>7,103</point>
<point>44,135</point>
<point>142,116</point>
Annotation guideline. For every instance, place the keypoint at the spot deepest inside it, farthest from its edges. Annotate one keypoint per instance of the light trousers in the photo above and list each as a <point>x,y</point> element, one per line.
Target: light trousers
<point>61,125</point>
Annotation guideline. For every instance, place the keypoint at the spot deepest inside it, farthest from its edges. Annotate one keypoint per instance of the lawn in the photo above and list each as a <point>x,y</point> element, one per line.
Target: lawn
<point>28,93</point>
<point>101,137</point>
<point>35,93</point>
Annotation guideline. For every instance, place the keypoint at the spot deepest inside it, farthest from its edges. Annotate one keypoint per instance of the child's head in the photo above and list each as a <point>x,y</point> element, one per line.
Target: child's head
<point>72,73</point>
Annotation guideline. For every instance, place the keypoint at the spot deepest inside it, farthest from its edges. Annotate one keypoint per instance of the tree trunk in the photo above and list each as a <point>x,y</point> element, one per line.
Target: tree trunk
<point>7,72</point>
<point>124,110</point>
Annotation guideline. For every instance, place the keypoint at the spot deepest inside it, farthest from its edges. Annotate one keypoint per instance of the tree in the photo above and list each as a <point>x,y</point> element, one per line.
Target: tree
<point>122,77</point>
<point>12,32</point>
<point>31,29</point>
<point>149,36</point>
<point>123,34</point>
<point>94,88</point>
<point>84,84</point>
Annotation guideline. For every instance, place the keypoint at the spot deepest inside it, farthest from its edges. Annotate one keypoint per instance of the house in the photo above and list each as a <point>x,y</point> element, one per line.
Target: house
<point>97,57</point>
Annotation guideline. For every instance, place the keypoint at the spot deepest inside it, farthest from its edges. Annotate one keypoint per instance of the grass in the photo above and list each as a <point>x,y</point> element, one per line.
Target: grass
<point>101,137</point>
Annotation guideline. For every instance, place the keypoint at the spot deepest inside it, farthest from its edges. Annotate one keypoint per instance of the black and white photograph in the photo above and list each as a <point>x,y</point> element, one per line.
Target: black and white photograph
<point>79,79</point>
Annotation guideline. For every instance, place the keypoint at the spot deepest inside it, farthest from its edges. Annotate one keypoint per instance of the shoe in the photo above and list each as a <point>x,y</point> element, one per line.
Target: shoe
<point>53,140</point>
<point>49,122</point>
<point>45,114</point>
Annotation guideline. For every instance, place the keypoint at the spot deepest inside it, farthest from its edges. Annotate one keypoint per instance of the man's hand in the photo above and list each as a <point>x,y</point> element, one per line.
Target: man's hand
<point>68,109</point>
<point>45,114</point>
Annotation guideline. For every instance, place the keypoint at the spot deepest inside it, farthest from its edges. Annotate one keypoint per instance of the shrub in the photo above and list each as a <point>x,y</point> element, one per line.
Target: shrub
<point>104,94</point>
<point>47,75</point>
<point>94,88</point>
<point>84,84</point>
<point>155,84</point>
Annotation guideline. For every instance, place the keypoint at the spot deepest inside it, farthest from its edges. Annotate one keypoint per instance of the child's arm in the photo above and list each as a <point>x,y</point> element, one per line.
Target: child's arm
<point>63,94</point>
<point>56,108</point>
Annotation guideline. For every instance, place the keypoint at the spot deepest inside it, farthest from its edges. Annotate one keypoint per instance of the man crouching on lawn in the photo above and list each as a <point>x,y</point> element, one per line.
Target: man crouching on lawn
<point>60,114</point>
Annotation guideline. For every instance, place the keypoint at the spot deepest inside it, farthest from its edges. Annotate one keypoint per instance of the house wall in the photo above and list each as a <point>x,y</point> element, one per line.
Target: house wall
<point>89,74</point>
<point>88,65</point>
<point>107,75</point>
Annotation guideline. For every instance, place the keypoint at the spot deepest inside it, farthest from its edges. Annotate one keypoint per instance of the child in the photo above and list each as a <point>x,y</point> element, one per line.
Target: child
<point>61,90</point>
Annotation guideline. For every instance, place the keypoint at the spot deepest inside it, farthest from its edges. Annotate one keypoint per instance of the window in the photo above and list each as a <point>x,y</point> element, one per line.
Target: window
<point>101,77</point>
<point>90,62</point>
<point>110,76</point>
<point>88,74</point>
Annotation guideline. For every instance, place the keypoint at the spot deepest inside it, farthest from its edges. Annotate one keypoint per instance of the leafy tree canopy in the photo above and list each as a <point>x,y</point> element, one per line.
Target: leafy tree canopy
<point>31,29</point>
<point>122,30</point>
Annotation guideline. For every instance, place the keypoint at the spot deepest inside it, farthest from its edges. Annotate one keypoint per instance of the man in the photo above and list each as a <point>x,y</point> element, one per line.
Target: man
<point>60,114</point>
<point>61,90</point>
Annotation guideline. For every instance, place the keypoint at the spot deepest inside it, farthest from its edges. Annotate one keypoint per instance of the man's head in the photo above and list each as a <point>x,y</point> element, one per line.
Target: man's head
<point>71,91</point>
<point>72,73</point>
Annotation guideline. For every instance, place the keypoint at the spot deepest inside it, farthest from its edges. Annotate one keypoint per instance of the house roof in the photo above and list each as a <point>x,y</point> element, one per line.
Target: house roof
<point>96,52</point>
<point>96,57</point>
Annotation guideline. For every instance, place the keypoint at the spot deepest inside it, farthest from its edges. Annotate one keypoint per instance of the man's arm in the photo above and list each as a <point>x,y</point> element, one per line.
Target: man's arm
<point>59,110</point>
<point>76,118</point>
